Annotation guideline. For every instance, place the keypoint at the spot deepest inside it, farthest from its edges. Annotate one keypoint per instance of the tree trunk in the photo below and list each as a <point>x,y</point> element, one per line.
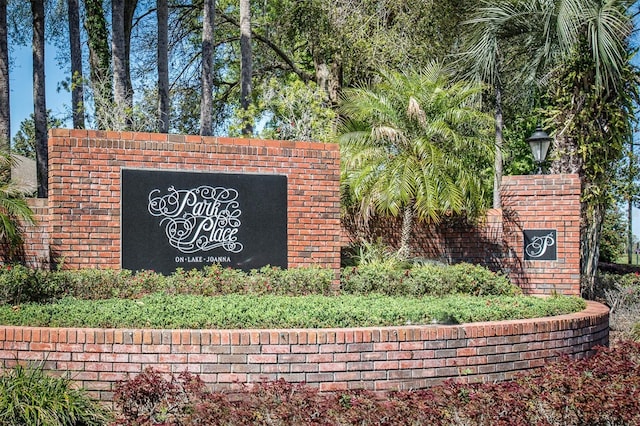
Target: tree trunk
<point>99,61</point>
<point>163,66</point>
<point>77,85</point>
<point>567,160</point>
<point>39,101</point>
<point>129,11</point>
<point>566,156</point>
<point>591,224</point>
<point>5,116</point>
<point>407,227</point>
<point>499,123</point>
<point>629,231</point>
<point>206,101</point>
<point>119,65</point>
<point>246,66</point>
<point>329,77</point>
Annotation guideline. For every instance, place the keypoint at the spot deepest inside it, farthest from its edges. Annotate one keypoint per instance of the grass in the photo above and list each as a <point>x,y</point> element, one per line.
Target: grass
<point>30,396</point>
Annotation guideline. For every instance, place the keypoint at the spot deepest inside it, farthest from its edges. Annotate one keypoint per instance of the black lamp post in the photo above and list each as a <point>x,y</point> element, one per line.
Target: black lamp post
<point>539,142</point>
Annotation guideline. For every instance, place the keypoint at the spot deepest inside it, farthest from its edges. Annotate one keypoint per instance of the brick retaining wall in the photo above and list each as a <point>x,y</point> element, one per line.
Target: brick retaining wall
<point>377,359</point>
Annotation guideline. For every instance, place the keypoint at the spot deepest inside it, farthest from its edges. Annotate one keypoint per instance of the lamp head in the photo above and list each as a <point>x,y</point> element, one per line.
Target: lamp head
<point>539,142</point>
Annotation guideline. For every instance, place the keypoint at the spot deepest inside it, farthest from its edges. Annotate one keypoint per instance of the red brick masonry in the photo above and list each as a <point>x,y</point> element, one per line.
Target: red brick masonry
<point>79,225</point>
<point>83,221</point>
<point>378,359</point>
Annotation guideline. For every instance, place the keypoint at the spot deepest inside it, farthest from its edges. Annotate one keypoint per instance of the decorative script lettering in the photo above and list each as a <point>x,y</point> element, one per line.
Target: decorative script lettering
<point>539,245</point>
<point>199,219</point>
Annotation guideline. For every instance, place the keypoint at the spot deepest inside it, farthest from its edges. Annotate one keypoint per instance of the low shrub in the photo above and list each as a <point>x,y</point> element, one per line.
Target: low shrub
<point>161,310</point>
<point>151,399</point>
<point>28,396</point>
<point>93,284</point>
<point>374,278</point>
<point>602,390</point>
<point>19,284</point>
<point>425,279</point>
<point>635,332</point>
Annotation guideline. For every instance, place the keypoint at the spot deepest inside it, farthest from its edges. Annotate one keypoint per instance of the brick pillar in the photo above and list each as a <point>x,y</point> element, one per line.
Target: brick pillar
<point>541,219</point>
<point>36,237</point>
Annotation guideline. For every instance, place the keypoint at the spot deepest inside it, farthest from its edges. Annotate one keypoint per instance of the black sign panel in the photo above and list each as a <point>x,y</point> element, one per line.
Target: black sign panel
<point>187,220</point>
<point>540,244</point>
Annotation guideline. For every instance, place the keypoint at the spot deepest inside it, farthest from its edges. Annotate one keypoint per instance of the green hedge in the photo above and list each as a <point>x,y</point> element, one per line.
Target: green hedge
<point>19,284</point>
<point>429,279</point>
<point>373,294</point>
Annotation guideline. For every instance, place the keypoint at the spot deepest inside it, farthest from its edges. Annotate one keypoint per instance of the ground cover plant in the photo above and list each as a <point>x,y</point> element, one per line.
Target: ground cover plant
<point>371,294</point>
<point>161,310</point>
<point>601,390</point>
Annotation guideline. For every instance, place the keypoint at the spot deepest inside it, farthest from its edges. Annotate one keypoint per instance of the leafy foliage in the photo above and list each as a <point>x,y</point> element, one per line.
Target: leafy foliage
<point>28,396</point>
<point>19,284</point>
<point>14,213</point>
<point>601,390</point>
<point>373,294</point>
<point>151,399</point>
<point>613,240</point>
<point>414,144</point>
<point>622,294</point>
<point>24,142</point>
<point>160,310</point>
<point>410,138</point>
<point>296,111</point>
<point>428,279</point>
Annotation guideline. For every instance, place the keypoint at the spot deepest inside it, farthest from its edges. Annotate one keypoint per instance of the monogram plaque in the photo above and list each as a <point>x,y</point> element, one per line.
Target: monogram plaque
<point>187,220</point>
<point>540,244</point>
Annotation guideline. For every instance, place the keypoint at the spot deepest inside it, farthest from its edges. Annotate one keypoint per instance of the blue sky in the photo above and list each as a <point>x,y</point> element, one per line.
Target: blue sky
<point>21,86</point>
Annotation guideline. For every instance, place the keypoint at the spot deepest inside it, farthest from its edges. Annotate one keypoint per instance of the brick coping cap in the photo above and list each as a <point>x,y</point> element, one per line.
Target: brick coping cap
<point>175,138</point>
<point>593,310</point>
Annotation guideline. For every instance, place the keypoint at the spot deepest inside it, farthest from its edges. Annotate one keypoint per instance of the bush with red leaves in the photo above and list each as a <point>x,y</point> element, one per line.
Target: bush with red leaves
<point>601,390</point>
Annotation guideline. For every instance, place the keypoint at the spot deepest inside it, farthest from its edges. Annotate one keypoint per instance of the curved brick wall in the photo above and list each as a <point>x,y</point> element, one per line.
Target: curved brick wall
<point>378,359</point>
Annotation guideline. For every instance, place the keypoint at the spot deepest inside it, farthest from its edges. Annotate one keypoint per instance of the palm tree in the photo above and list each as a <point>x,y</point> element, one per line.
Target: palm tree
<point>414,145</point>
<point>14,212</point>
<point>577,53</point>
<point>484,53</point>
